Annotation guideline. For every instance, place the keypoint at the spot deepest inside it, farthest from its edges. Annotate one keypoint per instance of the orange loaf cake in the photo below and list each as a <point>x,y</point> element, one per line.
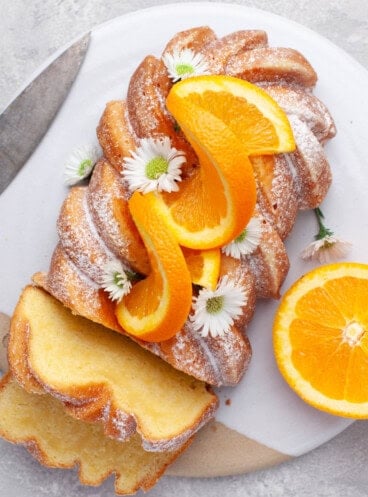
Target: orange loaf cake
<point>95,225</point>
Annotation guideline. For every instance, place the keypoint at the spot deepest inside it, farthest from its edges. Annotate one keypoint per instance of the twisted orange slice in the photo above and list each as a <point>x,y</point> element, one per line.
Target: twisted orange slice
<point>321,338</point>
<point>157,307</point>
<point>225,120</point>
<point>204,266</point>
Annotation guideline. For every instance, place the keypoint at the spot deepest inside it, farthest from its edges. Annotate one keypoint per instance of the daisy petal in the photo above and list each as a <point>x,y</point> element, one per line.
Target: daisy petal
<point>325,250</point>
<point>80,163</point>
<point>154,166</point>
<point>115,280</point>
<point>182,64</point>
<point>215,311</point>
<point>247,242</point>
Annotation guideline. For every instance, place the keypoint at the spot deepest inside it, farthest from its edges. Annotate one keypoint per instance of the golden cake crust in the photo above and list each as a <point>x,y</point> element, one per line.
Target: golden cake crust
<point>107,200</point>
<point>279,65</point>
<point>114,133</point>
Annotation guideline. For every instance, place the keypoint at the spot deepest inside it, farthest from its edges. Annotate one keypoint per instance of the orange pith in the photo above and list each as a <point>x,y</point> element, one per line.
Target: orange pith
<point>321,338</point>
<point>226,120</point>
<point>204,266</point>
<point>158,306</point>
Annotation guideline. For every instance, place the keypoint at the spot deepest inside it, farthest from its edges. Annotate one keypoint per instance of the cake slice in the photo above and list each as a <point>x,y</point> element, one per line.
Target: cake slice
<point>101,376</point>
<point>56,440</point>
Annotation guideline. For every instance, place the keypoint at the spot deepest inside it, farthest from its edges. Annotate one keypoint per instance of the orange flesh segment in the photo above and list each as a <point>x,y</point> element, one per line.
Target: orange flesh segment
<point>205,194</point>
<point>321,338</point>
<point>158,306</point>
<point>204,266</point>
<point>243,118</point>
<point>320,353</point>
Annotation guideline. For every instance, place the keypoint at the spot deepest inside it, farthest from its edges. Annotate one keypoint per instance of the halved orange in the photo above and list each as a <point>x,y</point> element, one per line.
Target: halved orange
<point>204,266</point>
<point>321,338</point>
<point>225,120</point>
<point>158,306</point>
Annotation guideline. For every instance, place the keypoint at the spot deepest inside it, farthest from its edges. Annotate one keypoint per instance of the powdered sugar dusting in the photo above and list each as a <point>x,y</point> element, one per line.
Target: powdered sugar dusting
<point>58,277</point>
<point>101,204</point>
<point>311,166</point>
<point>192,363</point>
<point>284,202</point>
<point>276,65</point>
<point>79,237</point>
<point>276,192</point>
<point>76,291</point>
<point>269,263</point>
<point>124,424</point>
<point>306,107</point>
<point>219,51</point>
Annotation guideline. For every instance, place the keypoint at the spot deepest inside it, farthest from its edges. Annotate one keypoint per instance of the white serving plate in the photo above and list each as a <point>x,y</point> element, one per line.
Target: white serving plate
<point>262,406</point>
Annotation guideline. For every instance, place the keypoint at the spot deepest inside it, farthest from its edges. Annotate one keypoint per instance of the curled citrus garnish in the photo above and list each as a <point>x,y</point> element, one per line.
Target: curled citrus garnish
<point>204,266</point>
<point>225,120</point>
<point>321,338</point>
<point>157,307</point>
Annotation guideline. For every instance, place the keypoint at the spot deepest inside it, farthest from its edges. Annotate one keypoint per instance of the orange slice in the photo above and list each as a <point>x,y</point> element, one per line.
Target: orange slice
<point>158,306</point>
<point>204,266</point>
<point>247,110</point>
<point>321,338</point>
<point>225,120</point>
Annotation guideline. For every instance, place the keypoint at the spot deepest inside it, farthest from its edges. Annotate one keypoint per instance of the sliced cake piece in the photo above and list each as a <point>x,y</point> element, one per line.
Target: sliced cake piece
<point>56,440</point>
<point>103,376</point>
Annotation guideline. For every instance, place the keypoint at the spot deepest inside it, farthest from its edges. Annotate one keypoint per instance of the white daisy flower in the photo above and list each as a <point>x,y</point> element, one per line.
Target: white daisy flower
<point>215,311</point>
<point>154,166</point>
<point>80,163</point>
<point>115,280</point>
<point>182,64</point>
<point>327,247</point>
<point>326,250</point>
<point>246,242</point>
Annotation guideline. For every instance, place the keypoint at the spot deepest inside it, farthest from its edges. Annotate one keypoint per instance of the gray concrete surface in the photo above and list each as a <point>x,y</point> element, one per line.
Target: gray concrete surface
<point>31,30</point>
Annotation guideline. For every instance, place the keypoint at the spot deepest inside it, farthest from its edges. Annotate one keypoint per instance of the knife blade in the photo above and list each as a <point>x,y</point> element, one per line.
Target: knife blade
<point>26,120</point>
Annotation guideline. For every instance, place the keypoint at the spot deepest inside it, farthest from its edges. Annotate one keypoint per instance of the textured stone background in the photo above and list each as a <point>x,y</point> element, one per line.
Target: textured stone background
<point>31,30</point>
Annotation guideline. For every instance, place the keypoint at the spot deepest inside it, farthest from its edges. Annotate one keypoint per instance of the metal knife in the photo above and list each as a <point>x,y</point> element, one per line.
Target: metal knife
<point>25,121</point>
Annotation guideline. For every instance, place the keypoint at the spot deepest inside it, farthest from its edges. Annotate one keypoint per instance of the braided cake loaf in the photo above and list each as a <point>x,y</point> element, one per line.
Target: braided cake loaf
<point>95,225</point>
